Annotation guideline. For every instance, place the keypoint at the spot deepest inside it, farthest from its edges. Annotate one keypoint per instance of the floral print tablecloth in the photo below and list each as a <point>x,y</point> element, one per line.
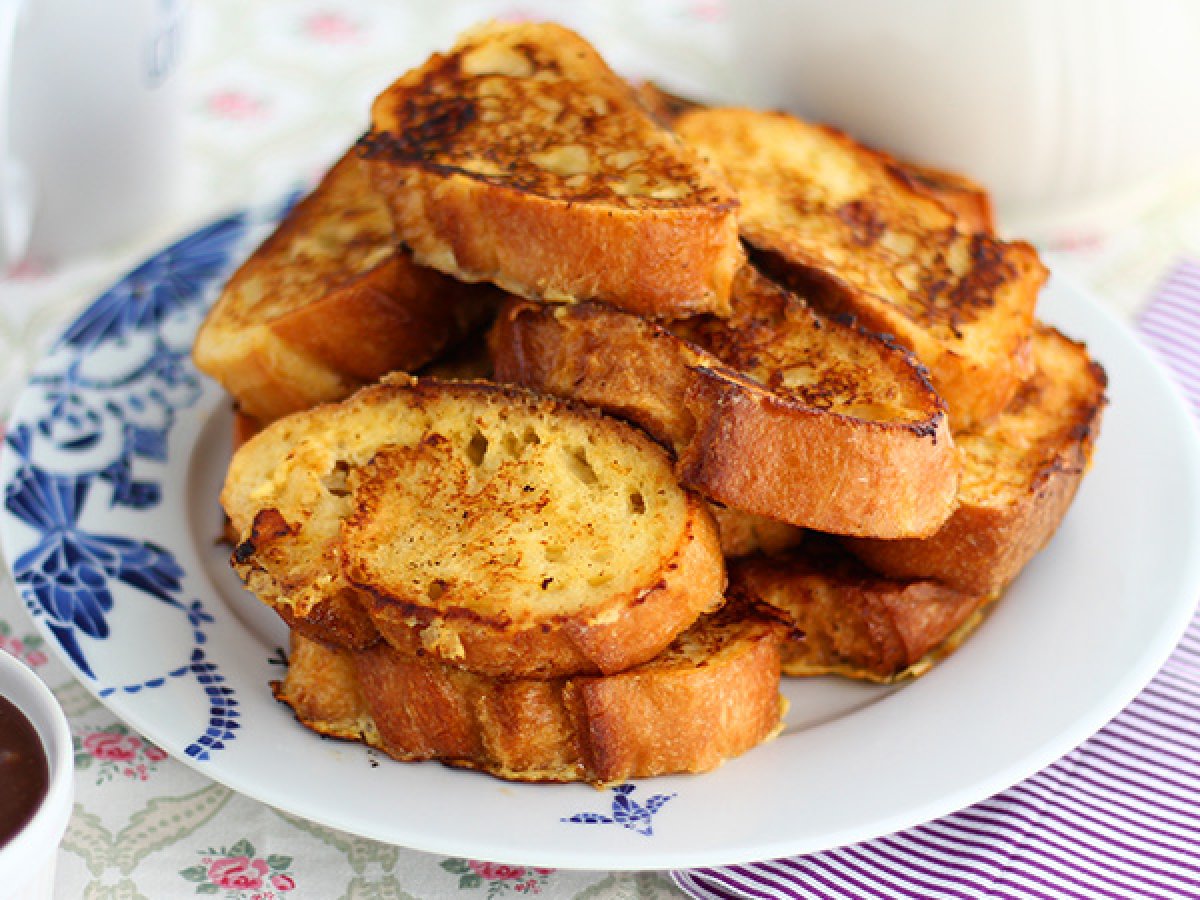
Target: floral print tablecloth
<point>274,90</point>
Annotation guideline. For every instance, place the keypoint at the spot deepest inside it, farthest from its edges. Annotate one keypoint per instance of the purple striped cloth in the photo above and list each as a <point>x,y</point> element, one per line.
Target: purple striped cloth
<point>1118,817</point>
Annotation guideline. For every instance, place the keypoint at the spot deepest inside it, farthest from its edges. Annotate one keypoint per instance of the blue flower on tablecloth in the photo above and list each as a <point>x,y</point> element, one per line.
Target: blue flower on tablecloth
<point>145,297</point>
<point>66,575</point>
<point>626,811</point>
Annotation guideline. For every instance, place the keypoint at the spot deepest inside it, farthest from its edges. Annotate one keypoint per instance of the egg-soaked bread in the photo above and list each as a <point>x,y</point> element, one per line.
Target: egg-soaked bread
<point>711,695</point>
<point>774,411</point>
<point>483,525</point>
<point>1020,474</point>
<point>844,619</point>
<point>520,158</point>
<point>967,200</point>
<point>835,220</point>
<point>328,303</point>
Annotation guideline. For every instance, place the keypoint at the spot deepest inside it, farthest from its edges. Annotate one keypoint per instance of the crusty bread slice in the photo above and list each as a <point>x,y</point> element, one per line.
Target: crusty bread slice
<point>328,303</point>
<point>968,201</point>
<point>504,532</point>
<point>1020,474</point>
<point>711,695</point>
<point>520,158</point>
<point>785,415</point>
<point>845,620</point>
<point>741,533</point>
<point>834,220</point>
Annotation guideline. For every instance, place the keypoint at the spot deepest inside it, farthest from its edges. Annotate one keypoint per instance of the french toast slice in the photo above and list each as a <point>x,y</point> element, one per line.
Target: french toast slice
<point>480,524</point>
<point>520,158</point>
<point>833,219</point>
<point>775,411</point>
<point>329,303</point>
<point>967,200</point>
<point>709,696</point>
<point>1020,474</point>
<point>845,620</point>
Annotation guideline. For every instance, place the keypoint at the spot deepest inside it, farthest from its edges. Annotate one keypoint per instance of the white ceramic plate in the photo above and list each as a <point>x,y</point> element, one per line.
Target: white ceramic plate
<point>111,466</point>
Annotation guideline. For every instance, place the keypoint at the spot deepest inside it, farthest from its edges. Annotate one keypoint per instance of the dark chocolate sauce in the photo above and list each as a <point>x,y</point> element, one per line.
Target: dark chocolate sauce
<point>24,771</point>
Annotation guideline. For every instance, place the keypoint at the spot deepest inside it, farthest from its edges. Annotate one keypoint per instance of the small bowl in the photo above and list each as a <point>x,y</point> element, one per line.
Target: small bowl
<point>27,860</point>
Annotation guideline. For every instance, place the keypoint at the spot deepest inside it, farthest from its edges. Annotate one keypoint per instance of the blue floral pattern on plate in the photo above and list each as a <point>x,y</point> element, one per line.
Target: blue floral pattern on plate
<point>626,811</point>
<point>83,445</point>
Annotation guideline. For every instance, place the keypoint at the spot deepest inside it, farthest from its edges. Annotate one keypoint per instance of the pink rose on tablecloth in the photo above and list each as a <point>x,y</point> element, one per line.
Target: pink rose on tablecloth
<point>238,873</point>
<point>497,878</point>
<point>113,750</point>
<point>25,650</point>
<point>495,871</point>
<point>707,10</point>
<point>112,746</point>
<point>241,873</point>
<point>236,105</point>
<point>282,882</point>
<point>332,28</point>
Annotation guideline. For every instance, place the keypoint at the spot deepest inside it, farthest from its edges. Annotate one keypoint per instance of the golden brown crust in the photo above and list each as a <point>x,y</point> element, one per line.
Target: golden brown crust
<point>521,159</point>
<point>810,397</point>
<point>328,303</point>
<point>968,201</point>
<point>844,619</point>
<point>834,220</point>
<point>322,686</point>
<point>475,522</point>
<point>1021,473</point>
<point>339,619</point>
<point>711,695</point>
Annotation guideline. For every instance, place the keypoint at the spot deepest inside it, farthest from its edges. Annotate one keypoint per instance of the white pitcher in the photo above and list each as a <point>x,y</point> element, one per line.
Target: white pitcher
<point>90,116</point>
<point>1052,104</point>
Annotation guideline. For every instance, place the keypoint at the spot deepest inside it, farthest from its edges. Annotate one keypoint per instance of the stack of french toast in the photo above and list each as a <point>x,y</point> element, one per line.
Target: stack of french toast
<point>572,414</point>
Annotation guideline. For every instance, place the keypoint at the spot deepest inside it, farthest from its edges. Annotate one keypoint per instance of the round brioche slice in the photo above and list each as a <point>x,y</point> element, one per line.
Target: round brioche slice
<point>484,525</point>
<point>711,695</point>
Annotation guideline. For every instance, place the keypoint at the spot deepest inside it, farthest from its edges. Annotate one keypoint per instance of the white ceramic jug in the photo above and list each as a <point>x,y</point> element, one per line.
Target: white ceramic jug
<point>1052,104</point>
<point>89,122</point>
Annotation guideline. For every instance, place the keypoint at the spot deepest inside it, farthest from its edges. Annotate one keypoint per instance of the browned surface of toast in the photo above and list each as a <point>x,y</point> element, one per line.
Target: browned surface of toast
<point>711,695</point>
<point>834,220</point>
<point>844,619</point>
<point>785,415</point>
<point>965,199</point>
<point>481,524</point>
<point>520,158</point>
<point>1020,474</point>
<point>328,303</point>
